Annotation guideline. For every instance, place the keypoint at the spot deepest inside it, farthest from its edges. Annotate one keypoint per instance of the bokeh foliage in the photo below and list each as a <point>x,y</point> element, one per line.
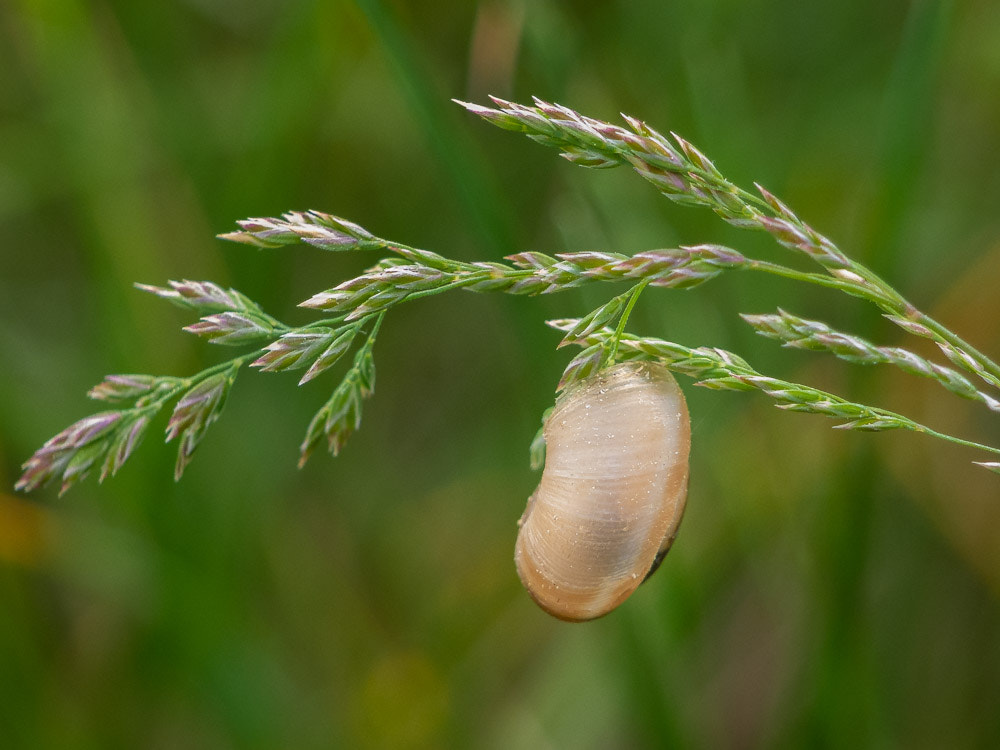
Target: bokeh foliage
<point>826,588</point>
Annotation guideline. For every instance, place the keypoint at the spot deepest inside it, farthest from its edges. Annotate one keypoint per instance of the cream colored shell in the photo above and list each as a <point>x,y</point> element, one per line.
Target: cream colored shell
<point>612,492</point>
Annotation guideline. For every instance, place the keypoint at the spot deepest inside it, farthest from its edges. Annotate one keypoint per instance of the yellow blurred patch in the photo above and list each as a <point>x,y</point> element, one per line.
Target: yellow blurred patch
<point>403,702</point>
<point>22,537</point>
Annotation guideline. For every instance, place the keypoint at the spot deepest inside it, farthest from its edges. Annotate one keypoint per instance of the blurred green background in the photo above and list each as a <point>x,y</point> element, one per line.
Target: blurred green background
<point>826,590</point>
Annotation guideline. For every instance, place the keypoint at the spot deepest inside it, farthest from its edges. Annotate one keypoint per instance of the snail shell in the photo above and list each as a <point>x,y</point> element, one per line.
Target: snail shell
<point>612,493</point>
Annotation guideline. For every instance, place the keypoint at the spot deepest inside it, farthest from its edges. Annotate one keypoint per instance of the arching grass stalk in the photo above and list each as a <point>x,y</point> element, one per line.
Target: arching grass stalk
<point>357,307</point>
<point>722,370</point>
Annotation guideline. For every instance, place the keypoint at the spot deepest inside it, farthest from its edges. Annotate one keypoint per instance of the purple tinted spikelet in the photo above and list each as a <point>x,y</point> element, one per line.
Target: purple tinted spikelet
<point>336,349</point>
<point>314,228</point>
<point>202,296</point>
<point>116,388</point>
<point>294,350</point>
<point>125,441</point>
<point>196,410</point>
<point>340,417</point>
<point>582,365</point>
<point>71,453</point>
<point>231,328</point>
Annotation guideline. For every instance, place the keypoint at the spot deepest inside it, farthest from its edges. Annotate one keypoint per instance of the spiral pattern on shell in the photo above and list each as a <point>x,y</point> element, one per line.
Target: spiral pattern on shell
<point>612,492</point>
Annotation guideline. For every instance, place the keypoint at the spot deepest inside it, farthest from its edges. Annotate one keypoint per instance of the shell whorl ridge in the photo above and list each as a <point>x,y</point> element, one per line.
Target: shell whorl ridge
<point>612,493</point>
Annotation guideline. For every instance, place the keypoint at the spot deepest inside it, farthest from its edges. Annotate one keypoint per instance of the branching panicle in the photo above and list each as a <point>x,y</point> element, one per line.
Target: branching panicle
<point>673,165</point>
<point>817,336</point>
<point>719,369</point>
<point>686,177</point>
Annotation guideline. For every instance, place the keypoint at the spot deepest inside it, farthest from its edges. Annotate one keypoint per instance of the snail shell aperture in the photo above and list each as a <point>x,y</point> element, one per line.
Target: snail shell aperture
<point>612,493</point>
